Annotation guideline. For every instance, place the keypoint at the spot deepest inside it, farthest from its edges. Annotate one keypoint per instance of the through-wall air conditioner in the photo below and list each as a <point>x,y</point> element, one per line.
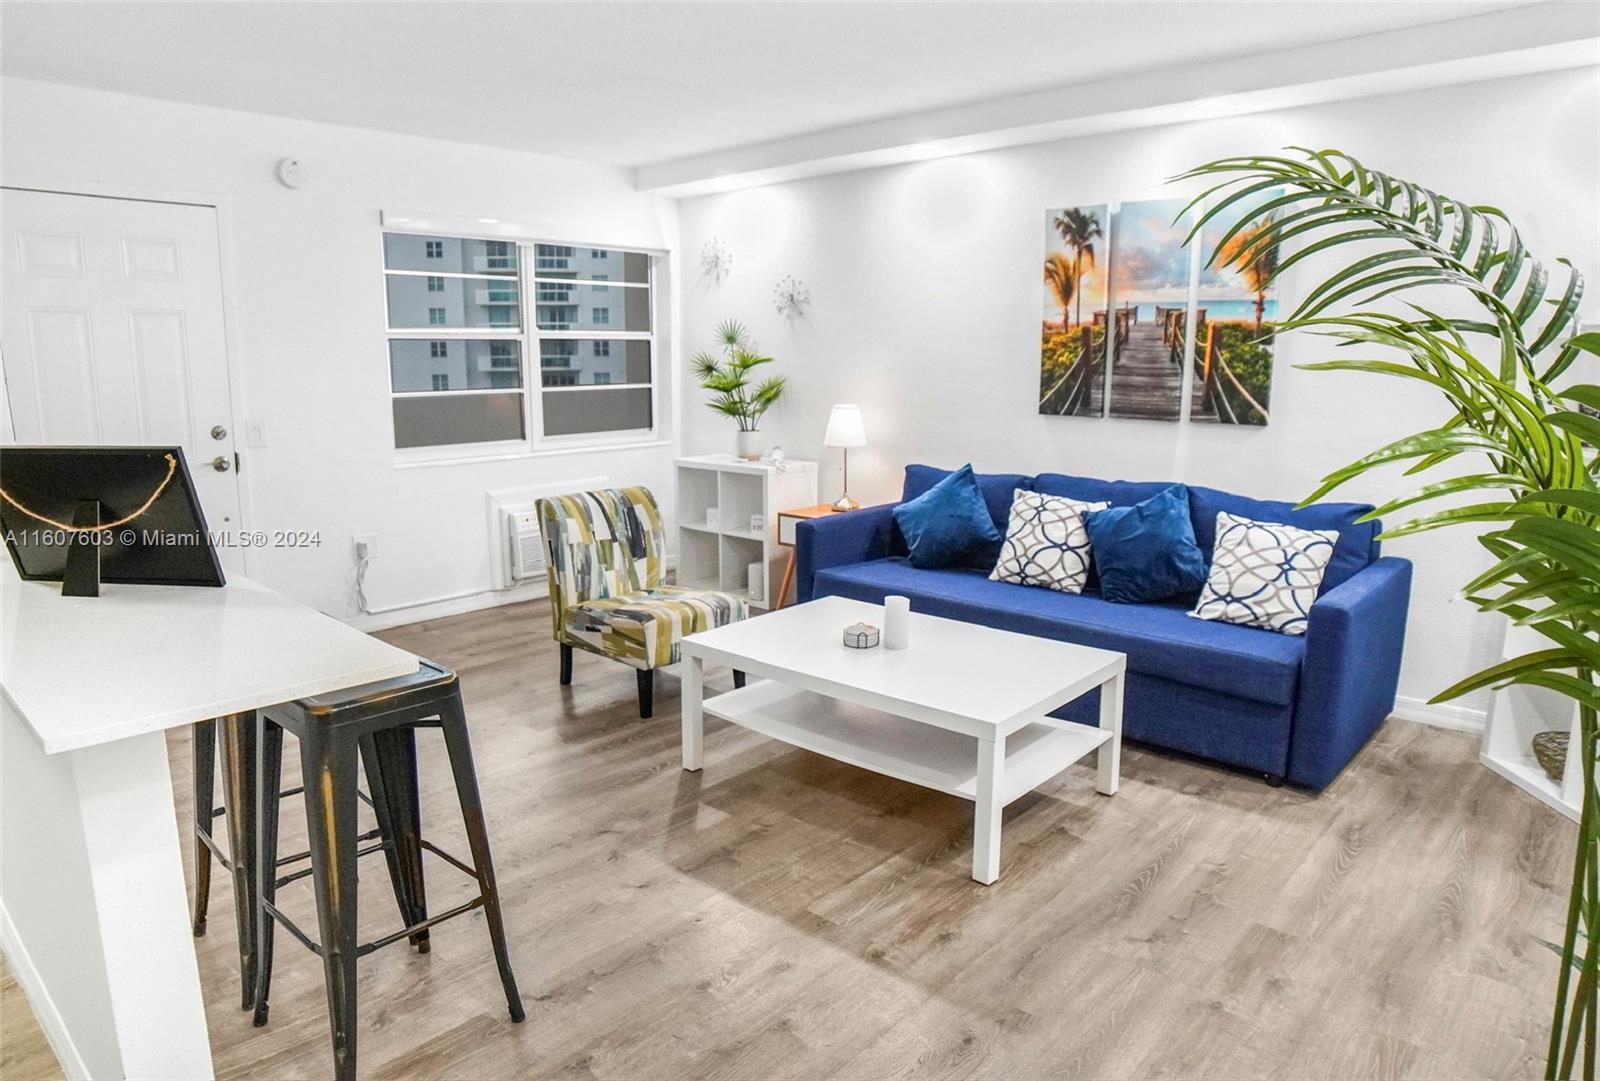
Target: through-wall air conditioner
<point>526,545</point>
<point>518,556</point>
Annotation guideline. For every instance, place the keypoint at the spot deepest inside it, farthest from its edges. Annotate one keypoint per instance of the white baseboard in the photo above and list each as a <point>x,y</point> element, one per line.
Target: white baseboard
<point>44,1008</point>
<point>421,611</point>
<point>1455,718</point>
<point>457,603</point>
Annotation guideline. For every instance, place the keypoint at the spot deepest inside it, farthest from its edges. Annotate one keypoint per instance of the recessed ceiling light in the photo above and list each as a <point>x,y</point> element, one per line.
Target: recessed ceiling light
<point>489,221</point>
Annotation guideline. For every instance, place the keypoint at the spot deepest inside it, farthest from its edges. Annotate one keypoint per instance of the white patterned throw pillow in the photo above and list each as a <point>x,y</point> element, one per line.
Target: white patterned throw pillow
<point>1264,574</point>
<point>1046,543</point>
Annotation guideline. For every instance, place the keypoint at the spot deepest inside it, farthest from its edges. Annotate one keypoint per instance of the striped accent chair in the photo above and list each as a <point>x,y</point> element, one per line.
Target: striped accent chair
<point>607,553</point>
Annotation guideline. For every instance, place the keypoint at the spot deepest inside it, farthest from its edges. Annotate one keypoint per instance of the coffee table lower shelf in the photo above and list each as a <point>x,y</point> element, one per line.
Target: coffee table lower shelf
<point>904,749</point>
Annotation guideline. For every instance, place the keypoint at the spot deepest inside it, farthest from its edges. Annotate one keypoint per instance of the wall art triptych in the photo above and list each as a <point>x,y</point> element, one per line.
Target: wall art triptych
<point>1134,326</point>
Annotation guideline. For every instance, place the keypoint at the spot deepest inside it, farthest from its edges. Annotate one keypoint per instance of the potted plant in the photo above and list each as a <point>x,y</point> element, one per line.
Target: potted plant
<point>728,380</point>
<point>1523,429</point>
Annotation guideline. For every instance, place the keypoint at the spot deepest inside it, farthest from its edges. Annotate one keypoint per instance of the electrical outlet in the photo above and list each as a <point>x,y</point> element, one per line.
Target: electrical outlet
<point>365,545</point>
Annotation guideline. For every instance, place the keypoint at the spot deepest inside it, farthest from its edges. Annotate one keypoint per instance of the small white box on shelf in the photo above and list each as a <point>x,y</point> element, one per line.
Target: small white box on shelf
<point>757,573</point>
<point>714,517</point>
<point>758,523</point>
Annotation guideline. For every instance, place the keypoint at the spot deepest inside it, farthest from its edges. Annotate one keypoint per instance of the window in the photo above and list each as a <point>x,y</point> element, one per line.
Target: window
<point>468,317</point>
<point>499,255</point>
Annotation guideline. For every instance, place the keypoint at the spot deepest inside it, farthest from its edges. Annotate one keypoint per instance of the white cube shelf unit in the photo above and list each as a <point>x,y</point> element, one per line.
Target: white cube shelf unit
<point>719,555</point>
<point>1516,715</point>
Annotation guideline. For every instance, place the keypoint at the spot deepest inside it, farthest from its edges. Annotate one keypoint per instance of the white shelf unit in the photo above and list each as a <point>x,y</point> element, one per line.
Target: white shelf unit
<point>1516,715</point>
<point>719,556</point>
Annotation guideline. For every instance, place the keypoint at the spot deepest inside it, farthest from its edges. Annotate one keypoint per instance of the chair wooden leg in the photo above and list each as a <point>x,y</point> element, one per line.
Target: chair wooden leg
<point>203,735</point>
<point>269,770</point>
<point>453,721</point>
<point>239,795</point>
<point>647,691</point>
<point>328,770</point>
<point>738,678</point>
<point>566,665</point>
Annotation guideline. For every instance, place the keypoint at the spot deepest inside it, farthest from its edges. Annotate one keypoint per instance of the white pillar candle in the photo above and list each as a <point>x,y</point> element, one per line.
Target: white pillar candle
<point>896,622</point>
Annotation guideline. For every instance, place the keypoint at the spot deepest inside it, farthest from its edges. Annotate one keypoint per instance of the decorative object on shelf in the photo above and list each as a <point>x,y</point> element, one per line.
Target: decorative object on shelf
<point>1522,445</point>
<point>1550,750</point>
<point>728,379</point>
<point>791,297</point>
<point>758,523</point>
<point>713,517</point>
<point>861,636</point>
<point>845,430</point>
<point>716,261</point>
<point>896,622</point>
<point>756,582</point>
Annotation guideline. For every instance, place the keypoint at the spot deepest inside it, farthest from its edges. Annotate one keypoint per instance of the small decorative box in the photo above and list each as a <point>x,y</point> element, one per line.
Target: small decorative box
<point>861,636</point>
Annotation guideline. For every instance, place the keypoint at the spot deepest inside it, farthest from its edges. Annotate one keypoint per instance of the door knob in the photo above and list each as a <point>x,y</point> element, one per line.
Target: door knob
<point>220,464</point>
<point>219,432</point>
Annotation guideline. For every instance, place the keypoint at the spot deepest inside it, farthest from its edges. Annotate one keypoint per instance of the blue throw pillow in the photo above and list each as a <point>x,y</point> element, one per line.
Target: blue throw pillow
<point>1147,552</point>
<point>948,523</point>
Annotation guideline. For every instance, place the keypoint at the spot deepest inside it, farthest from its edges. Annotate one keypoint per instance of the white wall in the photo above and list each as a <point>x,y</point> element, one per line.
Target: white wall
<point>926,294</point>
<point>306,312</point>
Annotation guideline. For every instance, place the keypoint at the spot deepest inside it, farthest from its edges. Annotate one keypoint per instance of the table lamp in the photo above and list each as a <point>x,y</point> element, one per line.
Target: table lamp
<point>845,430</point>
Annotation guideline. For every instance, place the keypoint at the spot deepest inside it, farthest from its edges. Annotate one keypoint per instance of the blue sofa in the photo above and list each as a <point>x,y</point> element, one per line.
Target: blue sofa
<point>1291,707</point>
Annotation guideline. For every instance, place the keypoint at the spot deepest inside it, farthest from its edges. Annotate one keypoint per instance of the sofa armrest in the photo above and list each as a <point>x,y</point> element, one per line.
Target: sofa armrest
<point>1351,670</point>
<point>839,539</point>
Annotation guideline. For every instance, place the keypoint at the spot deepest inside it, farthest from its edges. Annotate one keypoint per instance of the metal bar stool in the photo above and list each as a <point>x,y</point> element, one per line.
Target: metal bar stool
<point>378,722</point>
<point>237,733</point>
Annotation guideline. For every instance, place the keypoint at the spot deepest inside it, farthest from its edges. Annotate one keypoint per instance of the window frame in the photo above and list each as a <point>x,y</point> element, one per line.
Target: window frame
<point>529,337</point>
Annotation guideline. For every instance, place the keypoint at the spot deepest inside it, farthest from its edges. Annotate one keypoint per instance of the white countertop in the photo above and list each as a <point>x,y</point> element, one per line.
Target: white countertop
<point>82,671</point>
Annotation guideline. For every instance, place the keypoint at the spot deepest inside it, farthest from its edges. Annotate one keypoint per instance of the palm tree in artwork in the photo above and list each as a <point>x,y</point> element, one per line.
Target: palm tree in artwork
<point>1079,231</point>
<point>1059,277</point>
<point>1256,264</point>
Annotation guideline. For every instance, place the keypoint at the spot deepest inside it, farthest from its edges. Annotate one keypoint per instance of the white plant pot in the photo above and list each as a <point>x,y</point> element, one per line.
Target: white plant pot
<point>749,445</point>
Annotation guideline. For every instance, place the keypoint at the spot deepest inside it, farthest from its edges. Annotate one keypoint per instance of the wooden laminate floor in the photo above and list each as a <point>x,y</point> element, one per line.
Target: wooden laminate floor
<point>784,916</point>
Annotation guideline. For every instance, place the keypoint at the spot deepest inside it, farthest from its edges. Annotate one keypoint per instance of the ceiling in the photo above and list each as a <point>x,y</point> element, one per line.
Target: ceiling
<point>637,84</point>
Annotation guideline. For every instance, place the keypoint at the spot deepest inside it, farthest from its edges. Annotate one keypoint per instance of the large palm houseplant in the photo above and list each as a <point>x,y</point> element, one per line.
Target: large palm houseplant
<point>1469,311</point>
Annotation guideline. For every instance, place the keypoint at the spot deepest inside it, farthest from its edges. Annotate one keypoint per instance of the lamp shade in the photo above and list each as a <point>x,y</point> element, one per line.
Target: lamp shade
<point>845,428</point>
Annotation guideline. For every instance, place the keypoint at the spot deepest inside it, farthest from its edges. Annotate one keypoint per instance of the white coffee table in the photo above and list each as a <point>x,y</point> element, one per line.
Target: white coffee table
<point>964,710</point>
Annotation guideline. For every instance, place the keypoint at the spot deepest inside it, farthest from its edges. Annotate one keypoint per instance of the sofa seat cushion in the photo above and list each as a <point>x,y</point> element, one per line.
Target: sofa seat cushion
<point>643,629</point>
<point>1159,639</point>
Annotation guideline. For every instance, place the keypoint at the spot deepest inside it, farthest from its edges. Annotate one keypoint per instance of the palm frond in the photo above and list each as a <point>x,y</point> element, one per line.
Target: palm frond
<point>1540,495</point>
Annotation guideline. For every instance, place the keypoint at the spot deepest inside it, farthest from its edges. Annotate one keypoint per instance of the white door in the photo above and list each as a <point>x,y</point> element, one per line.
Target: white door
<point>112,333</point>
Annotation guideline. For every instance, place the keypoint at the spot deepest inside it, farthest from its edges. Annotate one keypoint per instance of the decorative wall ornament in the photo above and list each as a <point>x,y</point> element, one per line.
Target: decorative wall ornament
<point>791,297</point>
<point>716,261</point>
<point>1134,327</point>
